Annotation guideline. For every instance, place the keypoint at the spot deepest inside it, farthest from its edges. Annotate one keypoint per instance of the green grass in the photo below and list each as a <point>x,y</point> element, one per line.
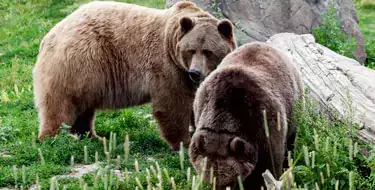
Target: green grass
<point>22,27</point>
<point>366,23</point>
<point>332,151</point>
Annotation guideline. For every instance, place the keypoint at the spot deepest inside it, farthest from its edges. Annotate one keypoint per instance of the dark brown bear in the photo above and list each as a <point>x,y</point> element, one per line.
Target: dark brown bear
<point>228,111</point>
<point>111,55</point>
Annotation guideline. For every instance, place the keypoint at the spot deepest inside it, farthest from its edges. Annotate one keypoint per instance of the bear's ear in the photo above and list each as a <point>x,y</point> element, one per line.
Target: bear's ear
<point>186,24</point>
<point>225,28</point>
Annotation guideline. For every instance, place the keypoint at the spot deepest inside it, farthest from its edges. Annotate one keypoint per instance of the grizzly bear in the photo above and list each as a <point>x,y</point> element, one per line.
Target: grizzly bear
<point>111,55</point>
<point>228,111</point>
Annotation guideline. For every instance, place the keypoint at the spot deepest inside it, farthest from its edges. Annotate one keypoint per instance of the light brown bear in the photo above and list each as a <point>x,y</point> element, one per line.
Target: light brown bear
<point>228,111</point>
<point>110,55</point>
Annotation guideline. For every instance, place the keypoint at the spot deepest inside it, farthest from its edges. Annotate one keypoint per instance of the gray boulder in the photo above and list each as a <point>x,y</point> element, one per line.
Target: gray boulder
<point>260,19</point>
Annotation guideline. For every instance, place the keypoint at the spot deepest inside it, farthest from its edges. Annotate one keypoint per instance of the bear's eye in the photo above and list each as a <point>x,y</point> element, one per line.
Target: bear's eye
<point>207,52</point>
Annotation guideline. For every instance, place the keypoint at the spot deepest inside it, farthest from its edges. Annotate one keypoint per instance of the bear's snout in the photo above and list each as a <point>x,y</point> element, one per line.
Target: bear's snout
<point>228,156</point>
<point>195,75</point>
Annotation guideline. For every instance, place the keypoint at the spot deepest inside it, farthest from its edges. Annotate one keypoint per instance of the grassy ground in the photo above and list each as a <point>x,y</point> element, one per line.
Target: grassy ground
<point>328,157</point>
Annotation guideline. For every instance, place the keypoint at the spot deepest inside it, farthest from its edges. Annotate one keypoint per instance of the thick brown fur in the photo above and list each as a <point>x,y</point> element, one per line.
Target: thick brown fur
<point>228,111</point>
<point>109,55</point>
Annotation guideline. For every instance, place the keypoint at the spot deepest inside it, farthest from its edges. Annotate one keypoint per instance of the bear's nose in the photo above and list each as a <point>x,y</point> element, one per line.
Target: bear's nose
<point>195,75</point>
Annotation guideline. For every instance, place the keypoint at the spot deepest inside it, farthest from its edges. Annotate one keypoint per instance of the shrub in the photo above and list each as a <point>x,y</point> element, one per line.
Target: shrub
<point>370,51</point>
<point>329,34</point>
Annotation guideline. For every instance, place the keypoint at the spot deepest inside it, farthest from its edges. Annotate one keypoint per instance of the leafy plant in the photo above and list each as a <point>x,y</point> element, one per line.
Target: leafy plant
<point>329,34</point>
<point>216,10</point>
<point>370,45</point>
<point>327,152</point>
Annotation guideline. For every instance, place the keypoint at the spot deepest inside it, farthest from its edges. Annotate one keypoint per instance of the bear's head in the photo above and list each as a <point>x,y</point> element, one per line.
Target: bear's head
<point>224,114</point>
<point>228,155</point>
<point>203,43</point>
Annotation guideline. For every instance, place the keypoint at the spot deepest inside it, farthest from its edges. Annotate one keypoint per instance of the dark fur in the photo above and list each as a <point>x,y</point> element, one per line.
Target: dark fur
<point>229,119</point>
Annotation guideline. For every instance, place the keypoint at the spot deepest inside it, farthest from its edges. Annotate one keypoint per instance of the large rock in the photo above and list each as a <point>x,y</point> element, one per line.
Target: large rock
<point>260,19</point>
<point>338,83</point>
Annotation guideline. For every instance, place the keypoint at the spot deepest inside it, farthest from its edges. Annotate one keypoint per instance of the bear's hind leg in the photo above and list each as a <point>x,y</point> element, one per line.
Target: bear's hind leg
<point>85,123</point>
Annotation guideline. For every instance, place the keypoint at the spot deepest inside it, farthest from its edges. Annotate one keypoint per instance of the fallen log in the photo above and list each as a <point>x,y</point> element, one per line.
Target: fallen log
<point>341,85</point>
